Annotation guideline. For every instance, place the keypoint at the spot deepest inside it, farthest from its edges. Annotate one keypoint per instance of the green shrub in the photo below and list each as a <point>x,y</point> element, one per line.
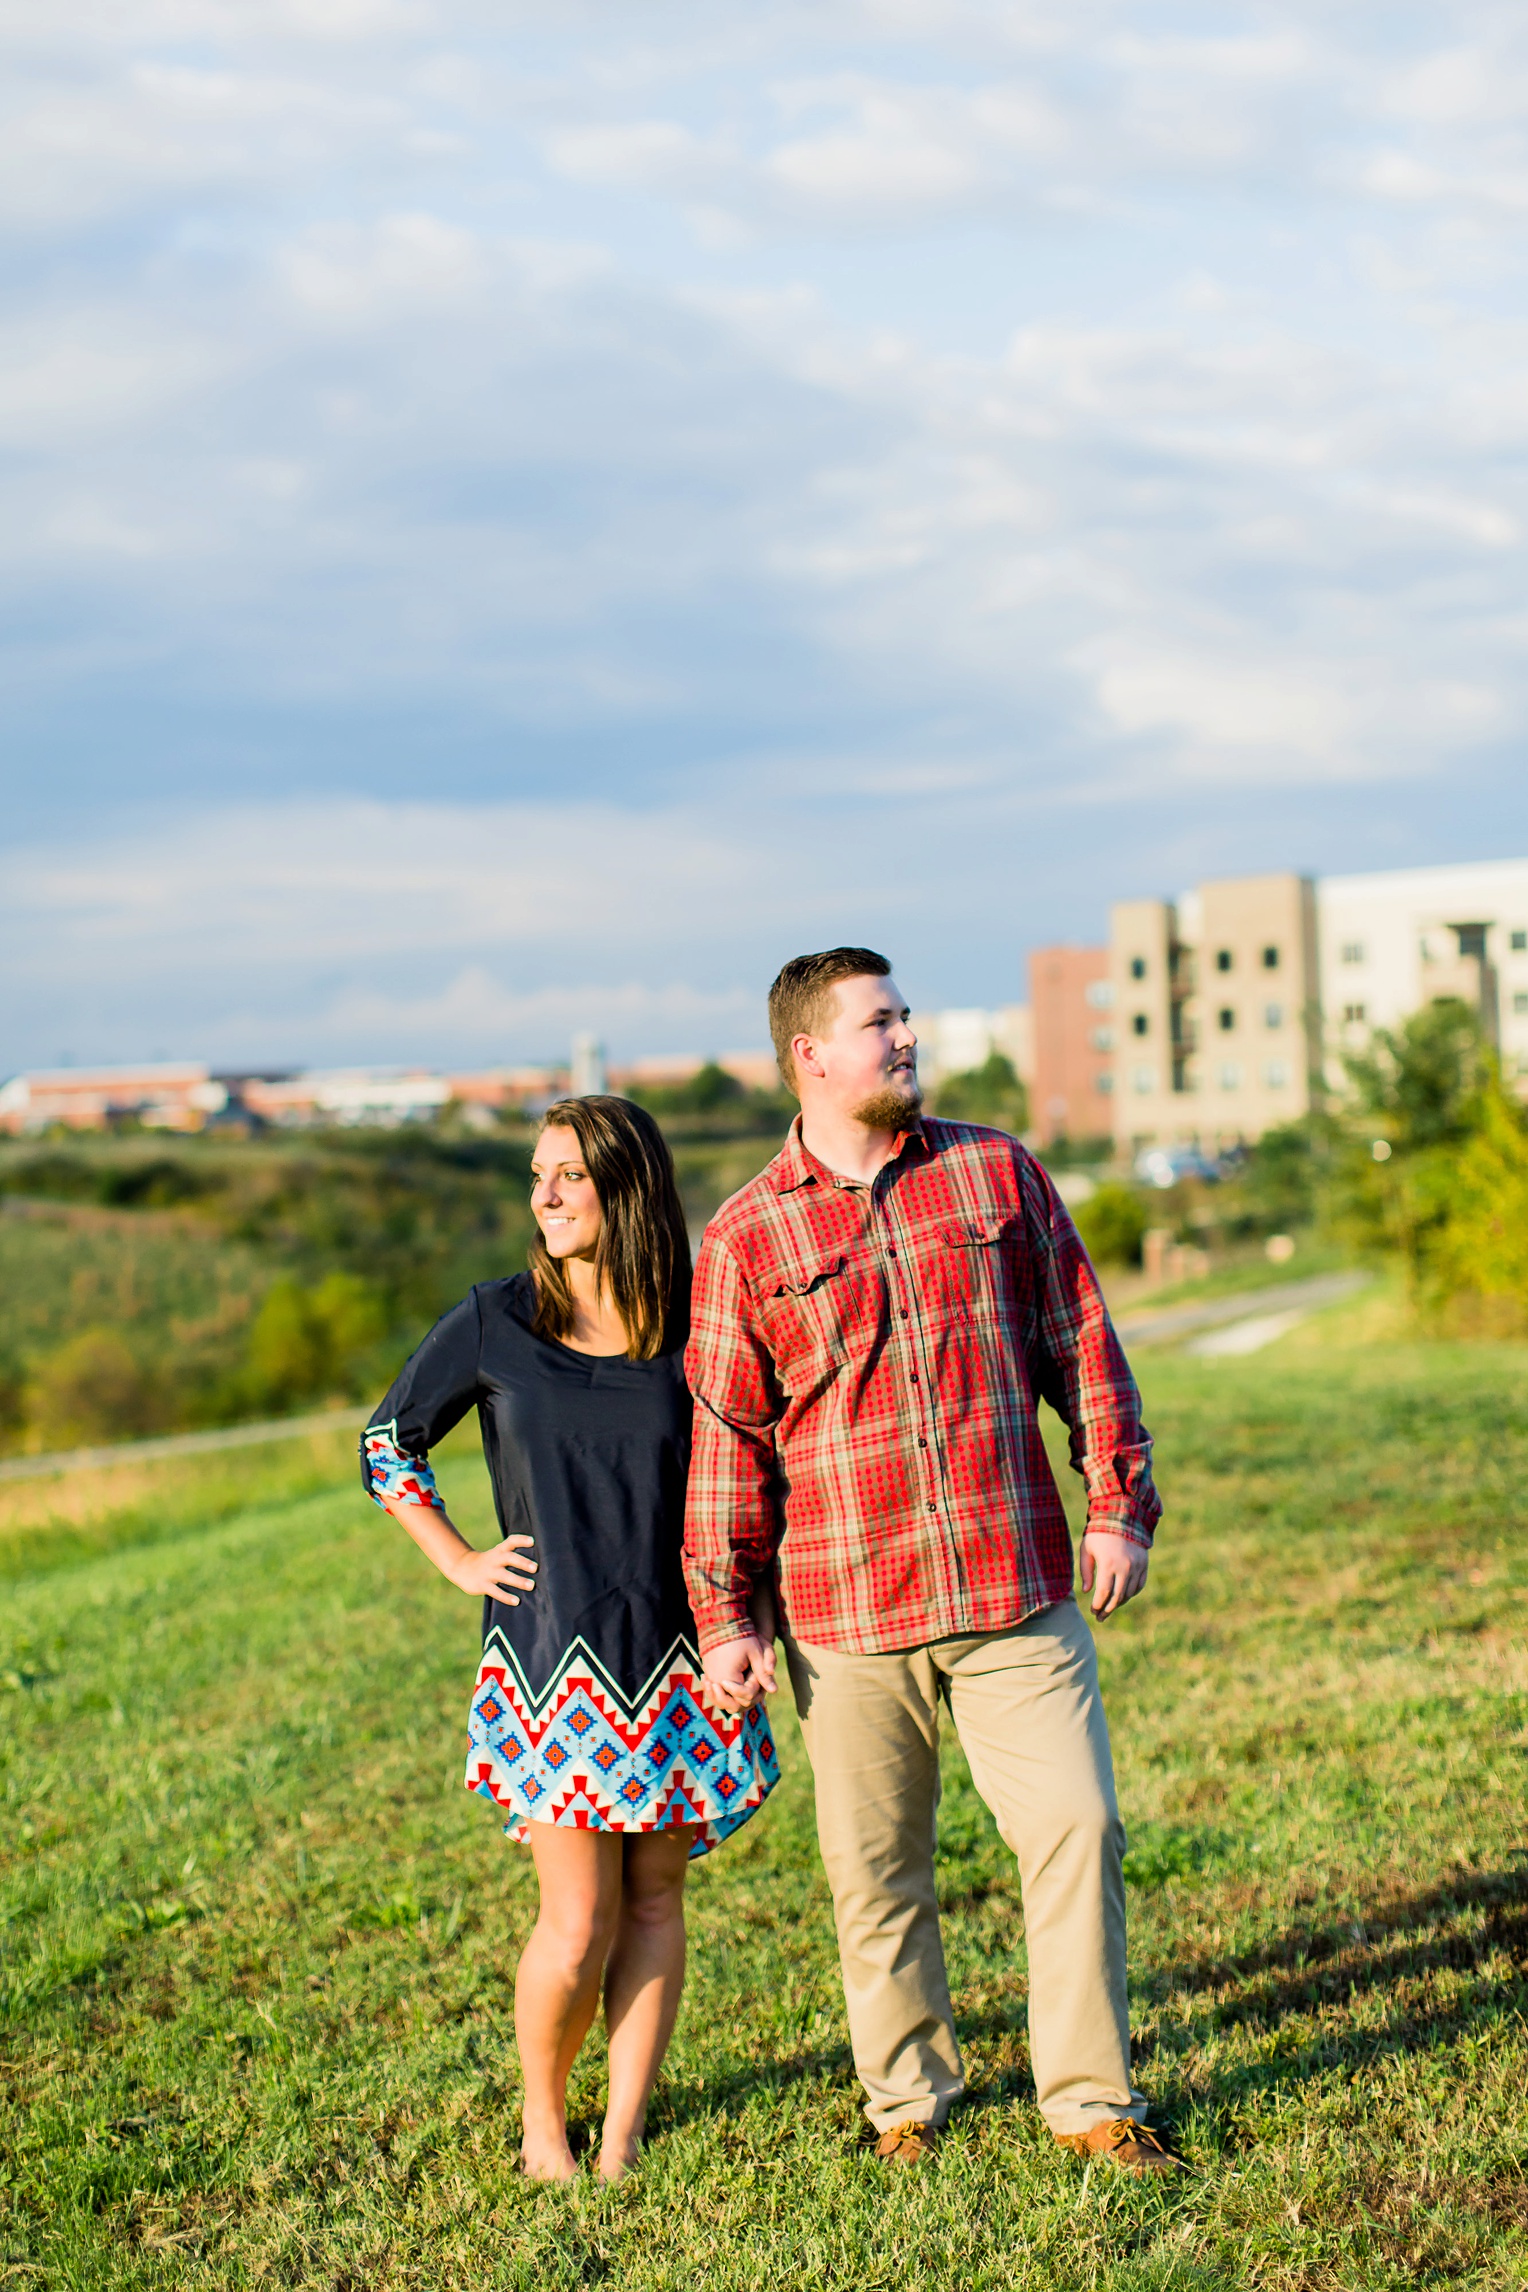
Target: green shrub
<point>1419,1094</point>
<point>710,1087</point>
<point>990,1094</point>
<point>57,1177</point>
<point>307,1344</point>
<point>158,1185</point>
<point>12,1402</point>
<point>1112,1223</point>
<point>1480,1250</point>
<point>92,1388</point>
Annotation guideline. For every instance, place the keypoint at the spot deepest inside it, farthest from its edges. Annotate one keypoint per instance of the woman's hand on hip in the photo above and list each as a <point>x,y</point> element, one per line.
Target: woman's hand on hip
<point>501,1573</point>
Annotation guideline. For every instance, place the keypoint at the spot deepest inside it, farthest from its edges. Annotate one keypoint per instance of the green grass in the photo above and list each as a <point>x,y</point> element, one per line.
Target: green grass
<point>258,1944</point>
<point>58,1521</point>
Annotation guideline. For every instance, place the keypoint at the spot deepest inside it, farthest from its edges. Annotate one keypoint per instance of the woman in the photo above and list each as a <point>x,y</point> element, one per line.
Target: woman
<point>588,1724</point>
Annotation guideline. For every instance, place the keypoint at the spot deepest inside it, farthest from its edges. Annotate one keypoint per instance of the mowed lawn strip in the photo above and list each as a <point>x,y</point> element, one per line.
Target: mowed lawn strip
<point>258,1942</point>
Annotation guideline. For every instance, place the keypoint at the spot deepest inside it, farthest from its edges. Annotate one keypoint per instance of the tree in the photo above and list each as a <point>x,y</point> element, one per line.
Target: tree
<point>991,1093</point>
<point>1481,1248</point>
<point>1421,1082</point>
<point>92,1389</point>
<point>1112,1223</point>
<point>308,1343</point>
<point>1418,1095</point>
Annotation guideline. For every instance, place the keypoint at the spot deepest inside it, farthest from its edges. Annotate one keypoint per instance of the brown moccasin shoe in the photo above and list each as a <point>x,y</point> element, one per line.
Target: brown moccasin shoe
<point>907,2144</point>
<point>1121,2142</point>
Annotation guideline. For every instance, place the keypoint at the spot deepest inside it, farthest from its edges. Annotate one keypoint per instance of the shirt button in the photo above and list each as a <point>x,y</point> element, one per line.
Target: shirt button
<point>923,1444</point>
<point>891,1249</point>
<point>904,1312</point>
<point>933,1508</point>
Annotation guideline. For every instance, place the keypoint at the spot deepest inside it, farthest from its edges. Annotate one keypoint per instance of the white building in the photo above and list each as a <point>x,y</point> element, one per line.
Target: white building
<point>953,1042</point>
<point>162,1096</point>
<point>349,1096</point>
<point>1392,942</point>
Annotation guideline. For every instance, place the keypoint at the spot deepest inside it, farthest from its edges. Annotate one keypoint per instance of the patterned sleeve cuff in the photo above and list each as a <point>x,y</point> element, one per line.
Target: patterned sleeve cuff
<point>391,1475</point>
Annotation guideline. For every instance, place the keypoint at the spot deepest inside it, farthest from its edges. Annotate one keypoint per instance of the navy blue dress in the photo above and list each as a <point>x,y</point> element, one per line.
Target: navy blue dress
<point>588,1708</point>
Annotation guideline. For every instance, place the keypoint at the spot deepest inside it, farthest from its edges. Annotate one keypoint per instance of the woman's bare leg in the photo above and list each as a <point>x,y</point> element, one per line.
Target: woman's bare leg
<point>643,1981</point>
<point>557,1987</point>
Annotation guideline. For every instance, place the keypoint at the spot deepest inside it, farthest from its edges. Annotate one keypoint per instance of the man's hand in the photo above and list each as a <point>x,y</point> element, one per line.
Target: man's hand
<point>1113,1569</point>
<point>740,1671</point>
<point>499,1574</point>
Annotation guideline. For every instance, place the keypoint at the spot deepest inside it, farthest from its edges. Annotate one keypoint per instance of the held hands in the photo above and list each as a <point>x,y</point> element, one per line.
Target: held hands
<point>1113,1570</point>
<point>501,1573</point>
<point>740,1671</point>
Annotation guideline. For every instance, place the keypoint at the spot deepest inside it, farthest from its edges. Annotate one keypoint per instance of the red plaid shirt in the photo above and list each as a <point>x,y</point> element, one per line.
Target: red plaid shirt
<point>867,1363</point>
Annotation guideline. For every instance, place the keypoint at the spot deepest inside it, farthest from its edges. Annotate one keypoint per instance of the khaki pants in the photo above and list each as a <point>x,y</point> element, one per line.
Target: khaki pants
<point>1026,1707</point>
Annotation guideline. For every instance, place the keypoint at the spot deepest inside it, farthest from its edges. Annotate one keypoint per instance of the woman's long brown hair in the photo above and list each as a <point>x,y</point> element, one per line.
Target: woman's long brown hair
<point>643,1255</point>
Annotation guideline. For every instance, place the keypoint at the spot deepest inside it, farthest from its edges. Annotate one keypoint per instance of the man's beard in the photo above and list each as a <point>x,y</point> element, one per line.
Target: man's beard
<point>889,1110</point>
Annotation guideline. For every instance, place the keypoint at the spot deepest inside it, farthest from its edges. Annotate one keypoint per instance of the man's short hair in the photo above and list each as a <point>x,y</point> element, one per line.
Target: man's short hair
<point>801,999</point>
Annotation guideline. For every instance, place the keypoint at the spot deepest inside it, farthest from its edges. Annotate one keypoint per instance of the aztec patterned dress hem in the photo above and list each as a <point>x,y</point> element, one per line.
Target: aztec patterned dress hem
<point>593,1760</point>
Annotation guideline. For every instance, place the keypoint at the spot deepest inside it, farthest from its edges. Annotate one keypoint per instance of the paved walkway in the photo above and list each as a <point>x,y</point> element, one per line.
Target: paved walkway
<point>181,1444</point>
<point>1285,1304</point>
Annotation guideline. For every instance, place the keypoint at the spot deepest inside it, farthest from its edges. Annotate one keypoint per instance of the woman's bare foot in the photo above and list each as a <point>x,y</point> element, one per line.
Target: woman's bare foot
<point>547,2157</point>
<point>618,2156</point>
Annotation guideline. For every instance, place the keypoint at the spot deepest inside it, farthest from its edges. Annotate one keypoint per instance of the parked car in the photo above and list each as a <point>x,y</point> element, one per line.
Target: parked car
<point>1166,1166</point>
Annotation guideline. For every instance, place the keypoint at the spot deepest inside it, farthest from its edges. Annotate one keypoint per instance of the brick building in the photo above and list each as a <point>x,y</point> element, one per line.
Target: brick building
<point>1071,1085</point>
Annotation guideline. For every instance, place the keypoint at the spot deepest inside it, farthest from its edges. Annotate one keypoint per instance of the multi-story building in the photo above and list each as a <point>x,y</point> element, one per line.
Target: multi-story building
<point>162,1097</point>
<point>1218,1034</point>
<point>1235,1003</point>
<point>1071,997</point>
<point>1392,942</point>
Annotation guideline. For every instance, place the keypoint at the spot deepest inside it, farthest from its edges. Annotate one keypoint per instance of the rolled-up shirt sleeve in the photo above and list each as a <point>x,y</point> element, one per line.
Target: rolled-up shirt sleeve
<point>1079,1366</point>
<point>732,1524</point>
<point>431,1393</point>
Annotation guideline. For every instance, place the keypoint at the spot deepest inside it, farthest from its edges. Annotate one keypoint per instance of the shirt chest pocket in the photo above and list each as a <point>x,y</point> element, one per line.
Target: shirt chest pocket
<point>973,1267</point>
<point>815,1313</point>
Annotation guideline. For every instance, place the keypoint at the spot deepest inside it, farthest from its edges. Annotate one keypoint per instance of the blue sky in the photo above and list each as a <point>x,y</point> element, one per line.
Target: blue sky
<point>516,520</point>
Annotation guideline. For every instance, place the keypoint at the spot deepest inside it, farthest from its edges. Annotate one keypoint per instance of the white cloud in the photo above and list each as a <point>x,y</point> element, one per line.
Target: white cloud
<point>291,929</point>
<point>652,154</point>
<point>476,1008</point>
<point>354,879</point>
<point>977,403</point>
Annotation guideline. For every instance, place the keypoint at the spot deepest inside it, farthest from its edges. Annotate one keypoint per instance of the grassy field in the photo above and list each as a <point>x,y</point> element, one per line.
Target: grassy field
<point>64,1267</point>
<point>257,1942</point>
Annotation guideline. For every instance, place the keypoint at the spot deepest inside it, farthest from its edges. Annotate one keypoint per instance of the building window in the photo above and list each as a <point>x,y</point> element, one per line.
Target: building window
<point>1354,1014</point>
<point>1520,1006</point>
<point>1137,966</point>
<point>1099,995</point>
<point>1225,1019</point>
<point>1230,1076</point>
<point>1352,951</point>
<point>1143,1079</point>
<point>1140,1024</point>
<point>1102,1038</point>
<point>1520,942</point>
<point>1276,1074</point>
<point>1270,958</point>
<point>1222,958</point>
<point>1273,1015</point>
<point>1104,1082</point>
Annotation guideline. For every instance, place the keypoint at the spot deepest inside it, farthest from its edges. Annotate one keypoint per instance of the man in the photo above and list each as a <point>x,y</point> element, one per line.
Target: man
<point>875,1319</point>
